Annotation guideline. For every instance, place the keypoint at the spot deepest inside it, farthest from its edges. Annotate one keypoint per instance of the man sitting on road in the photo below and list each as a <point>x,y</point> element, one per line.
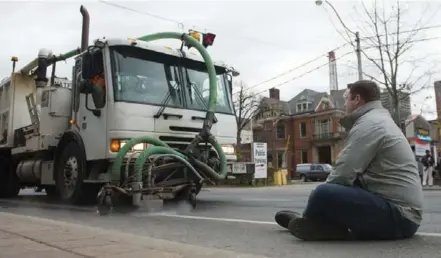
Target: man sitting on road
<point>374,192</point>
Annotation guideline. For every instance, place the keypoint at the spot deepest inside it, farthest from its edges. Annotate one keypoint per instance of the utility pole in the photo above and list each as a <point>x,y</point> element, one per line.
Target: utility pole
<point>357,36</point>
<point>358,50</point>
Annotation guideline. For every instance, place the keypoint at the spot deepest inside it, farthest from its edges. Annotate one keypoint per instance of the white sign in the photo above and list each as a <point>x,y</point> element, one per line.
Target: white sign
<point>239,168</point>
<point>260,159</point>
<point>420,149</point>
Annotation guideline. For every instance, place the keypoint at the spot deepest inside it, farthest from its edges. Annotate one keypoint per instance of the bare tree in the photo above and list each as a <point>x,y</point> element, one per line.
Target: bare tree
<point>246,106</point>
<point>388,51</point>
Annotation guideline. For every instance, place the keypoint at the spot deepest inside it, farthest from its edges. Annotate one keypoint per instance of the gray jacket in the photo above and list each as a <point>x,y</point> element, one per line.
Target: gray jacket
<point>378,154</point>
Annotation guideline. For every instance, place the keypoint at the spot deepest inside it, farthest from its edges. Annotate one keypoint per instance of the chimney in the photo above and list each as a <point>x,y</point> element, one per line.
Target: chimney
<point>274,93</point>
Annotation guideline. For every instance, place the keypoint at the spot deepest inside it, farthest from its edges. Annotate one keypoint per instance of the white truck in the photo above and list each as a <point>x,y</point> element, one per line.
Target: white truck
<point>66,139</point>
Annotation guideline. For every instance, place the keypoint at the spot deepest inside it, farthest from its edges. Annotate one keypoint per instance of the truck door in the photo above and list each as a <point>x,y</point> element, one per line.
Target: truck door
<point>91,120</point>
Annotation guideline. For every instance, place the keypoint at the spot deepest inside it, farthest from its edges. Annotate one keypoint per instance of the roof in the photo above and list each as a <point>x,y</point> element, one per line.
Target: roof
<point>338,98</point>
<point>283,105</point>
<point>419,119</point>
<point>314,97</point>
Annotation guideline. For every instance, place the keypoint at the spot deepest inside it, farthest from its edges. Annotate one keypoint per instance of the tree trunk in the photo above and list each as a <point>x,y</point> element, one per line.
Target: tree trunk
<point>238,147</point>
<point>238,138</point>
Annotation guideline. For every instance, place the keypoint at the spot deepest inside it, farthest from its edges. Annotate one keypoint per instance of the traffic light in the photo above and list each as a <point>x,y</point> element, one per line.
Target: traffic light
<point>208,39</point>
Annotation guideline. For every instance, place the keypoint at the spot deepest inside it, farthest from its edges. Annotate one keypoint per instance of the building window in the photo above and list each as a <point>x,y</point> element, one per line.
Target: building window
<point>304,156</point>
<point>280,130</point>
<point>304,106</point>
<point>303,130</point>
<point>269,157</point>
<point>281,160</point>
<point>322,127</point>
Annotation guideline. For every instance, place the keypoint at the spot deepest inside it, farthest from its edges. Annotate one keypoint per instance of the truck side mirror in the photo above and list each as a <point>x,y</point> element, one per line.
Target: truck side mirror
<point>87,65</point>
<point>230,82</point>
<point>97,93</point>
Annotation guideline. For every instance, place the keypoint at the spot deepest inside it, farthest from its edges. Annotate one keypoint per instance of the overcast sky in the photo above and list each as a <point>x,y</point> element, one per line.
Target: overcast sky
<point>261,39</point>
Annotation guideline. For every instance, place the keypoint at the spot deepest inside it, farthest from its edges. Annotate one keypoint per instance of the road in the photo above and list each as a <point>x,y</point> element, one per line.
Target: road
<point>240,220</point>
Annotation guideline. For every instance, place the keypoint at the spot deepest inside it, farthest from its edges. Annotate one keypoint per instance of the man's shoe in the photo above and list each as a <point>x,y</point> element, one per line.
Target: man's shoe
<point>309,230</point>
<point>284,217</point>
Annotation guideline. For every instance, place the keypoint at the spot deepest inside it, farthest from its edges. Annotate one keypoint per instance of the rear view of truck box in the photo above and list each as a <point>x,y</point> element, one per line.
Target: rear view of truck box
<point>14,111</point>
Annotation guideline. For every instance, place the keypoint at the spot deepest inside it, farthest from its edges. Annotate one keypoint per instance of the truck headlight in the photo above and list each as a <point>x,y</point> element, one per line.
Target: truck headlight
<point>117,144</point>
<point>228,149</point>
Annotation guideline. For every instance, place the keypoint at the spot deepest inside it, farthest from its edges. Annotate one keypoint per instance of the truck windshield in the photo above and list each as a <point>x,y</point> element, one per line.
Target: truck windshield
<point>148,77</point>
<point>143,76</point>
<point>198,87</point>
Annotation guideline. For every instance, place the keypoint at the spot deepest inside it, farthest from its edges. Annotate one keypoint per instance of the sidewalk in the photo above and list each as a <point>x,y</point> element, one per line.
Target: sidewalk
<point>24,236</point>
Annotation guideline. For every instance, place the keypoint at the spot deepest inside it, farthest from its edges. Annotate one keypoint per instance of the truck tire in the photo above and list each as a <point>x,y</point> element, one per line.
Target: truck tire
<point>9,181</point>
<point>70,174</point>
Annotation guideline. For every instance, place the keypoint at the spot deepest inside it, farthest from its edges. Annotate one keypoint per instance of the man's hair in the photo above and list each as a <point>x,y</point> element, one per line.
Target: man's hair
<point>368,90</point>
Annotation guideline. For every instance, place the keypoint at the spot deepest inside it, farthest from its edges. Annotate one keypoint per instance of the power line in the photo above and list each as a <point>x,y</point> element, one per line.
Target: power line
<point>315,59</point>
<point>405,31</point>
<point>181,24</point>
<point>405,43</point>
<point>303,74</point>
<point>292,69</point>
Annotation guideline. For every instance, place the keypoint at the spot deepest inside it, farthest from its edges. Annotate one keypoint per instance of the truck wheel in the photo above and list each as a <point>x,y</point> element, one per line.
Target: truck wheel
<point>9,181</point>
<point>70,173</point>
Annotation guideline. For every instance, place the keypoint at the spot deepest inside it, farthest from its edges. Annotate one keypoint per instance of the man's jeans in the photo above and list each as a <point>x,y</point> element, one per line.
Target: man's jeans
<point>366,215</point>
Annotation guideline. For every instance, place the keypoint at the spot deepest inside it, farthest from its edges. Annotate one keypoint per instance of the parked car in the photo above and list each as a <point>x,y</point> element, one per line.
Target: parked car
<point>313,172</point>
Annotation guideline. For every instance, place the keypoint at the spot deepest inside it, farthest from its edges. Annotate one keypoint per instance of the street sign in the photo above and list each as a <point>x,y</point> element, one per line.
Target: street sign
<point>260,159</point>
<point>239,168</point>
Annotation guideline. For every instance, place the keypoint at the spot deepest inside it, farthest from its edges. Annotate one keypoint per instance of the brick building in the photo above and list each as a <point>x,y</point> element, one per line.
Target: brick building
<point>304,129</point>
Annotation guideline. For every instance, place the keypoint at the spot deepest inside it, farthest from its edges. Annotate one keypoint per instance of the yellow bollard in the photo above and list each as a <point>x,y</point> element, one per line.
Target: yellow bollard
<point>284,176</point>
<point>277,178</point>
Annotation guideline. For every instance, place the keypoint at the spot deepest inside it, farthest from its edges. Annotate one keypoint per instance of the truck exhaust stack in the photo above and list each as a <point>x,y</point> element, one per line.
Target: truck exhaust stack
<point>85,29</point>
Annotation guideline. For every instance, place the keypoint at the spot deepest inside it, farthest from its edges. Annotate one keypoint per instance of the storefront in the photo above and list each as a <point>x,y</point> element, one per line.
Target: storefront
<point>418,135</point>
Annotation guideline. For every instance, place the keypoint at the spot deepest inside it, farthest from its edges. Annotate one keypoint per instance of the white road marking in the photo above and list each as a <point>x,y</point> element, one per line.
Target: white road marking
<point>424,234</point>
<point>265,200</point>
<point>213,219</point>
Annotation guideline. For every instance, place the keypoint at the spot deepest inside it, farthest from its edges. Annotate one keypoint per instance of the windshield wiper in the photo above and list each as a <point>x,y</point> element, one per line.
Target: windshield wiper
<point>172,90</point>
<point>190,86</point>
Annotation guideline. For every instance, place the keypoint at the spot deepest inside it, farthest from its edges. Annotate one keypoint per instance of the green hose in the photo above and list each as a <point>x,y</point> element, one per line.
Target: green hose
<point>70,54</point>
<point>117,164</point>
<point>139,164</point>
<point>222,158</point>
